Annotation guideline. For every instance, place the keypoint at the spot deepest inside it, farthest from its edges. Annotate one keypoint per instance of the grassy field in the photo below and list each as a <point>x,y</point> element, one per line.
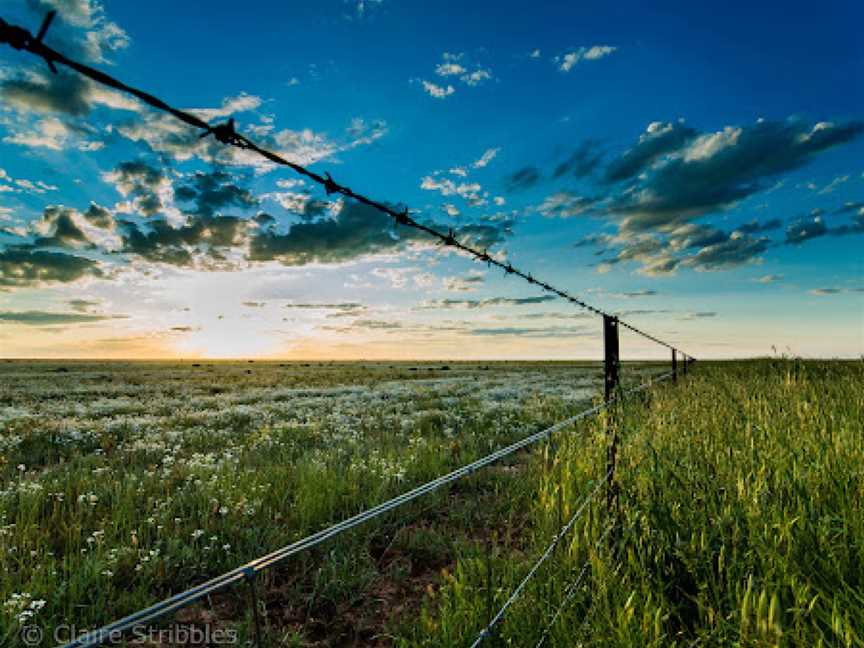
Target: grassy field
<point>740,509</point>
<point>121,483</point>
<point>742,518</point>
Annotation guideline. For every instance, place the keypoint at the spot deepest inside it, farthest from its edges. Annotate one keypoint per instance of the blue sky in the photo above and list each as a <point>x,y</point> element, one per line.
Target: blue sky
<point>697,169</point>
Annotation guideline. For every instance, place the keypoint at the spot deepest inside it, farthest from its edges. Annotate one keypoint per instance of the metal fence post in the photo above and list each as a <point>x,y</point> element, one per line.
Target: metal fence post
<point>611,367</point>
<point>674,366</point>
<point>685,363</point>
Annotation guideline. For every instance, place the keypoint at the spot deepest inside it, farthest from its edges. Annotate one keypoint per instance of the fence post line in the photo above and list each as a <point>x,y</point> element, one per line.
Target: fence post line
<point>674,365</point>
<point>611,372</point>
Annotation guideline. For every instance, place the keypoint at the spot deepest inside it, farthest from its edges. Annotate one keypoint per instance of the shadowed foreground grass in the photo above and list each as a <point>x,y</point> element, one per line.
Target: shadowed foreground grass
<point>742,491</point>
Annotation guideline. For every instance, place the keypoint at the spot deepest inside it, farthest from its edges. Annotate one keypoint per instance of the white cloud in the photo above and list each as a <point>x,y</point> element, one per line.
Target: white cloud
<point>569,60</point>
<point>486,158</point>
<point>91,146</point>
<point>445,186</point>
<point>469,191</point>
<point>468,282</point>
<point>439,92</point>
<point>476,77</point>
<point>230,105</point>
<point>362,132</point>
<point>49,133</point>
<point>290,183</point>
<point>399,277</point>
<point>707,146</point>
<point>451,209</point>
<point>598,52</point>
<point>565,204</point>
<point>35,99</point>
<point>289,200</point>
<point>659,266</point>
<point>449,69</point>
<point>305,146</point>
<point>81,13</point>
<point>38,187</point>
<point>101,36</point>
<point>836,182</point>
<point>22,185</point>
<point>107,38</point>
<point>463,171</point>
<point>535,54</point>
<point>453,65</point>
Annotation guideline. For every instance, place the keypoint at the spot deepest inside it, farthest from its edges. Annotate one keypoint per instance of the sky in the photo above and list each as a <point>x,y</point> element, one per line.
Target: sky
<point>697,169</point>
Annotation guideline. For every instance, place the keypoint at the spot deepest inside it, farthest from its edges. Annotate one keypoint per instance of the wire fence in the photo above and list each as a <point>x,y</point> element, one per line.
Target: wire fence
<point>485,632</point>
<point>571,589</point>
<point>226,133</point>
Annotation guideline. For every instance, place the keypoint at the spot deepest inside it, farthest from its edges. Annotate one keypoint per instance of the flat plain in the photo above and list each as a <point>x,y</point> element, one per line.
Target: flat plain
<point>739,522</point>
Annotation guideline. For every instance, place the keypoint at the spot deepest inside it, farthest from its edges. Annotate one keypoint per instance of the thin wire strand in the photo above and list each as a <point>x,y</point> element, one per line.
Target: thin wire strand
<point>21,39</point>
<point>572,588</point>
<point>539,563</point>
<point>593,610</point>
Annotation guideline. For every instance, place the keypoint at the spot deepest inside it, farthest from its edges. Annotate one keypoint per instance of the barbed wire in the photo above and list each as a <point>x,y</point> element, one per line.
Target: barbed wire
<point>485,632</point>
<point>620,395</point>
<point>22,39</point>
<point>572,588</point>
<point>252,568</point>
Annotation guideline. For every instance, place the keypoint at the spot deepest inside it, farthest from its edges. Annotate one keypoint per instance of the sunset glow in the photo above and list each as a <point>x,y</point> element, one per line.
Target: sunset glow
<point>715,199</point>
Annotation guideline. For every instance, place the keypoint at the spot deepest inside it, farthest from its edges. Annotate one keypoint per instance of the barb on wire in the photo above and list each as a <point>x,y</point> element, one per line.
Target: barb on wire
<point>485,632</point>
<point>22,39</point>
<point>224,133</point>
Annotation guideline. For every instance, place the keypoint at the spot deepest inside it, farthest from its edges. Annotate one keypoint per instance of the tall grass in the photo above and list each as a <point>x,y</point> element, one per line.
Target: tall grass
<point>742,491</point>
<point>740,519</point>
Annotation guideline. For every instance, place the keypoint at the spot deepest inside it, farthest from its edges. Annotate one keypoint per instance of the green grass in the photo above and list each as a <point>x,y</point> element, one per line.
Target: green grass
<point>121,483</point>
<point>740,508</point>
<point>742,492</point>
